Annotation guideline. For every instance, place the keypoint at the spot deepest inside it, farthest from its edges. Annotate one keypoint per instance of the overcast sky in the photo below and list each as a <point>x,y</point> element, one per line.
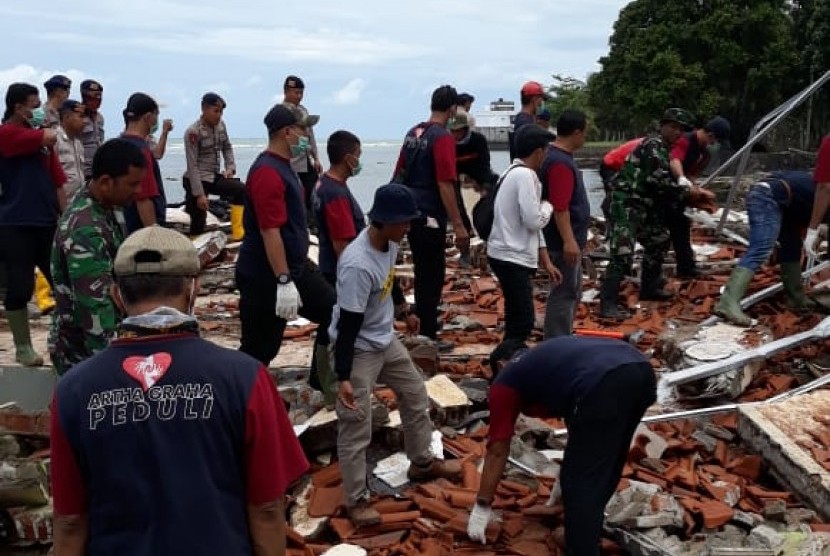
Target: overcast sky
<point>369,65</point>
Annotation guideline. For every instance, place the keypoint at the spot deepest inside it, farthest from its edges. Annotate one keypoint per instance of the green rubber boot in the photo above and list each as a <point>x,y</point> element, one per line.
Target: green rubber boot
<point>19,325</point>
<point>793,287</point>
<point>326,376</point>
<point>729,304</point>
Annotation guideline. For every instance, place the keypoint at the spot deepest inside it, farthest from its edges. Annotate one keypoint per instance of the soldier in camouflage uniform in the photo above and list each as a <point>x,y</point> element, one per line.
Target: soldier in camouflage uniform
<point>86,241</point>
<point>644,190</point>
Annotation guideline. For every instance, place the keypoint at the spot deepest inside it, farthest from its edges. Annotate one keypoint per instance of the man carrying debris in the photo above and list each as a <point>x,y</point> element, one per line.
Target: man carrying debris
<point>779,207</point>
<point>367,351</point>
<point>601,388</point>
<point>688,157</point>
<point>644,191</point>
<point>165,443</point>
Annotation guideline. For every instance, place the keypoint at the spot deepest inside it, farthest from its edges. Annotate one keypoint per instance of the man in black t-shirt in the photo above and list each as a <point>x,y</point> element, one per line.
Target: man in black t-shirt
<point>472,162</point>
<point>601,388</point>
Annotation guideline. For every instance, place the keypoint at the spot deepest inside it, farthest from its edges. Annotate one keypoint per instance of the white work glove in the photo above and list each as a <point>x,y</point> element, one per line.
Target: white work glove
<point>683,181</point>
<point>479,518</point>
<point>288,301</point>
<point>810,242</point>
<point>546,209</point>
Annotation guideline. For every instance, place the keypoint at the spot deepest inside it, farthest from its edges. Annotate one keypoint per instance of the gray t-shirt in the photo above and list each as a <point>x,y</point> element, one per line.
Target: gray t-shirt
<point>364,285</point>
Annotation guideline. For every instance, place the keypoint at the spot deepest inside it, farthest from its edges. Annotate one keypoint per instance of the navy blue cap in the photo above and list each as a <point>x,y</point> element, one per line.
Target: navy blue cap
<point>720,128</point>
<point>529,138</point>
<point>213,99</point>
<point>91,86</point>
<point>394,204</point>
<point>293,82</point>
<point>280,116</point>
<point>139,104</point>
<point>58,82</point>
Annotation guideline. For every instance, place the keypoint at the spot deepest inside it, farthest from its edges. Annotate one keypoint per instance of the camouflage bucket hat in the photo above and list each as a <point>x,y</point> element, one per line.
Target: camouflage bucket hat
<point>680,116</point>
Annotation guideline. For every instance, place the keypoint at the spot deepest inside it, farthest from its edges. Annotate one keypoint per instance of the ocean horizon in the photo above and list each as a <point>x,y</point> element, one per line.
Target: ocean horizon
<point>378,160</point>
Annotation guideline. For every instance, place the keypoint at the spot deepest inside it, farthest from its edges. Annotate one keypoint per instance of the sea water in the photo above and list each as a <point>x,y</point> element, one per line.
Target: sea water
<point>378,161</point>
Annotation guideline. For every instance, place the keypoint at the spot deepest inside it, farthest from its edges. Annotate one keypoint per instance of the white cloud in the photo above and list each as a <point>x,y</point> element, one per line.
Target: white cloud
<point>24,73</point>
<point>350,93</point>
<point>403,50</point>
<point>272,44</point>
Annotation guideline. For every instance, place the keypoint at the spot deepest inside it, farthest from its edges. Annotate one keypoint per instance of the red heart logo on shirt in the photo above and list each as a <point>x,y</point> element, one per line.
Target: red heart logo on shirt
<point>147,370</point>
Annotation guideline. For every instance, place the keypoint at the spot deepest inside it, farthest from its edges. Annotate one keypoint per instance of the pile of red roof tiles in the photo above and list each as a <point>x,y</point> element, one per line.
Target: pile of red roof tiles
<point>701,465</point>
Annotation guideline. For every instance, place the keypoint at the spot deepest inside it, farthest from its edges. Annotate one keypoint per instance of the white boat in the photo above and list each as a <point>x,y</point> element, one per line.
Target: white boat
<point>496,122</point>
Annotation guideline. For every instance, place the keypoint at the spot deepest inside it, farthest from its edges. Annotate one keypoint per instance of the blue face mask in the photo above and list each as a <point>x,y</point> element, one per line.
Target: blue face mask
<point>37,117</point>
<point>155,128</point>
<point>301,147</point>
<point>357,169</point>
<point>540,109</point>
<point>713,148</point>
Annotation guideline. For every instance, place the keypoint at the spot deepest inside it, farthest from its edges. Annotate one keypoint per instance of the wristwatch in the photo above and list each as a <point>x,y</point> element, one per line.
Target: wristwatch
<point>283,278</point>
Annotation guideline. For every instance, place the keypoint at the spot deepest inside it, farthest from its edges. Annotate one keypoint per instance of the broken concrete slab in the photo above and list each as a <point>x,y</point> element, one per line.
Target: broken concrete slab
<point>444,393</point>
<point>768,430</point>
<point>305,525</point>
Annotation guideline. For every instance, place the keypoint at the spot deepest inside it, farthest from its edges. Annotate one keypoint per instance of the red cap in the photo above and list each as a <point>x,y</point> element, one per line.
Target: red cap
<point>532,89</point>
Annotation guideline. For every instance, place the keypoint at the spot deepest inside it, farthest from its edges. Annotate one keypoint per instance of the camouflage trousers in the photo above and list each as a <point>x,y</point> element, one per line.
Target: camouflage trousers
<point>632,221</point>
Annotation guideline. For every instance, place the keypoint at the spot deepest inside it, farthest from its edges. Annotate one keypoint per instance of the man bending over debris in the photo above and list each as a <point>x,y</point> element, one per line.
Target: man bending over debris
<point>601,388</point>
<point>779,207</point>
<point>367,350</point>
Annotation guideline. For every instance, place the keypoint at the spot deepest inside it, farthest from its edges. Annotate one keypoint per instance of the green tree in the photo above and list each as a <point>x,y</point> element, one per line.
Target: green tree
<point>811,29</point>
<point>729,57</point>
<point>569,92</point>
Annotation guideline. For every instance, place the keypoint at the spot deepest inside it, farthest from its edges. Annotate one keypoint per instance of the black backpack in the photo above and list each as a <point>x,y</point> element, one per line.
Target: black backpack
<point>484,211</point>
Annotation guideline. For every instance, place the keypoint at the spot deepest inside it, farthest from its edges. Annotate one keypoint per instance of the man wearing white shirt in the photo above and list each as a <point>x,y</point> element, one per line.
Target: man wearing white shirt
<point>70,148</point>
<point>516,244</point>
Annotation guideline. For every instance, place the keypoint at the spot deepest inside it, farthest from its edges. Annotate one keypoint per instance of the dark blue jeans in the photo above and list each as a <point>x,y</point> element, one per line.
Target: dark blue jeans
<point>769,221</point>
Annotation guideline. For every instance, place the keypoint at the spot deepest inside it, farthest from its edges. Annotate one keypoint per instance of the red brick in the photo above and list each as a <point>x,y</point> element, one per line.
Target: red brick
<point>400,517</point>
<point>328,476</point>
<point>748,466</point>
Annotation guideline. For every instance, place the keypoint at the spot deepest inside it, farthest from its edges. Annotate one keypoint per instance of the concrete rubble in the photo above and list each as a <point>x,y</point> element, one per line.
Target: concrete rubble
<point>724,483</point>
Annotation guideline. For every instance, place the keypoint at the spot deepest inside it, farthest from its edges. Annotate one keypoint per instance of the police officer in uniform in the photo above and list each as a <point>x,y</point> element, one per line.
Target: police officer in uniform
<point>204,140</point>
<point>93,134</point>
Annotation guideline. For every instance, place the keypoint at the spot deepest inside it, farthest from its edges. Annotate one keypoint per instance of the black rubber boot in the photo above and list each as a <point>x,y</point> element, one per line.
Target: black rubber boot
<point>608,294</point>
